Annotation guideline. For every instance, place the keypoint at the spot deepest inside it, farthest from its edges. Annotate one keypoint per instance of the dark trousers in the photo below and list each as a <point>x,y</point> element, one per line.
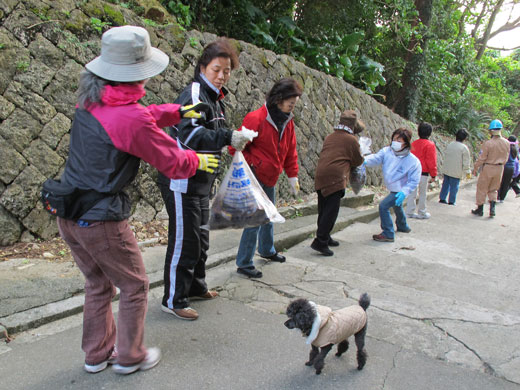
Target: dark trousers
<point>515,186</point>
<point>188,243</point>
<point>328,210</point>
<point>505,184</point>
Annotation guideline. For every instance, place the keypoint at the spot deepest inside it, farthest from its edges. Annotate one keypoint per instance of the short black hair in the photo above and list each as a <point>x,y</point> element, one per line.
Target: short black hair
<point>461,135</point>
<point>424,130</point>
<point>283,89</point>
<point>222,47</point>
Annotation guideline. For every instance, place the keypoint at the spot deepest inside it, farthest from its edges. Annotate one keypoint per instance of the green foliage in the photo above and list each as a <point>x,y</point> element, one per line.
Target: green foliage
<point>273,27</point>
<point>151,23</point>
<point>22,66</point>
<point>369,45</point>
<point>180,11</point>
<point>98,24</point>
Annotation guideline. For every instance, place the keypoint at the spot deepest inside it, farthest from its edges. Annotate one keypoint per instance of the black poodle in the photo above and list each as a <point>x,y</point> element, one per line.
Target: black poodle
<point>324,328</point>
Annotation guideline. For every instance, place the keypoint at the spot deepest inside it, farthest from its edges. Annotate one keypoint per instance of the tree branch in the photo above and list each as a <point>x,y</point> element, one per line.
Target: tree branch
<point>503,48</point>
<point>506,27</point>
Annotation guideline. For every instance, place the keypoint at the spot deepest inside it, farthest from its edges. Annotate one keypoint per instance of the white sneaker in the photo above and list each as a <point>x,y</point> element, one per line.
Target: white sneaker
<point>423,215</point>
<point>413,215</point>
<point>95,368</point>
<point>153,357</point>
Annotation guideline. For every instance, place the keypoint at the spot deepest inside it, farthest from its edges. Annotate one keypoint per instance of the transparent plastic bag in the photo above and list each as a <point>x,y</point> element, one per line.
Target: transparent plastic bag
<point>240,201</point>
<point>358,177</point>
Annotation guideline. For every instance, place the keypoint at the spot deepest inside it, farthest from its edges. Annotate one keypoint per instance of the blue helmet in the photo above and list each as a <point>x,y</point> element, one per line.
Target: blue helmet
<point>495,125</point>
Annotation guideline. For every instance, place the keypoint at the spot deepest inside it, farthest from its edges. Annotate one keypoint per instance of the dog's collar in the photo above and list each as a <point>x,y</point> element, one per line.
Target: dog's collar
<point>315,326</point>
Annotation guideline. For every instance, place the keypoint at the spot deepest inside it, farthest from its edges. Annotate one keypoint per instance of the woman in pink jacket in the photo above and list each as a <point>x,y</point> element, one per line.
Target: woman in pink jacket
<point>270,153</point>
<point>110,135</point>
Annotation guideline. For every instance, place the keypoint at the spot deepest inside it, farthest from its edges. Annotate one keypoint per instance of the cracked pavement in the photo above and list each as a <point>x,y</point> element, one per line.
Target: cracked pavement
<point>444,314</point>
<point>448,290</point>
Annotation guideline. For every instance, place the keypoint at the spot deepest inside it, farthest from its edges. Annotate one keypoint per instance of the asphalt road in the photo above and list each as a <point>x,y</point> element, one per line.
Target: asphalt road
<point>444,315</point>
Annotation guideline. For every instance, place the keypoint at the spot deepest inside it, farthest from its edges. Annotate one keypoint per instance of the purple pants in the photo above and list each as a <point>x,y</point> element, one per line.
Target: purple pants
<point>107,254</point>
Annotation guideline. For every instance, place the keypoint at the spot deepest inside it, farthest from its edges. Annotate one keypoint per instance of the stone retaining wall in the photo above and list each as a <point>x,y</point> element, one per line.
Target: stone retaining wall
<point>43,48</point>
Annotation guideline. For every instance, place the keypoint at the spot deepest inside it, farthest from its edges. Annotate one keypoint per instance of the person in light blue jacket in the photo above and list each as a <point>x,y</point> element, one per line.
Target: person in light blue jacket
<point>401,173</point>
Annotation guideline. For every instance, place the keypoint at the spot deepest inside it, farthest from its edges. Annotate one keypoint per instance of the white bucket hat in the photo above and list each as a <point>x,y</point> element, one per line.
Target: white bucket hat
<point>127,55</point>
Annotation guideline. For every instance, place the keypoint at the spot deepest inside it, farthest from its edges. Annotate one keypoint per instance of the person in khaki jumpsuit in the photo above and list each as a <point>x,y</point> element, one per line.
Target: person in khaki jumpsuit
<point>493,156</point>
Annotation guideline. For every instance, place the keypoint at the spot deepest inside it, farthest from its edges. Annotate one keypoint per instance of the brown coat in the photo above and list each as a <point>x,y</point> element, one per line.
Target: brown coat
<point>338,325</point>
<point>340,152</point>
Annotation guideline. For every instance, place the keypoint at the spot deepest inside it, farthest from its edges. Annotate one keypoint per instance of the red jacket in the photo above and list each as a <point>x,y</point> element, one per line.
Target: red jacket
<point>426,152</point>
<point>269,153</point>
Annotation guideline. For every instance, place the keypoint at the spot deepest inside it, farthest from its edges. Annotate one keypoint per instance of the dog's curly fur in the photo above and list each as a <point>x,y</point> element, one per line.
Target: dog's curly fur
<point>301,316</point>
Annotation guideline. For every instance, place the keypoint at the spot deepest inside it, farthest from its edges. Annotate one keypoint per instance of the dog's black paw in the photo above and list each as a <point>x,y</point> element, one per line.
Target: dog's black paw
<point>318,372</point>
<point>309,363</point>
<point>362,359</point>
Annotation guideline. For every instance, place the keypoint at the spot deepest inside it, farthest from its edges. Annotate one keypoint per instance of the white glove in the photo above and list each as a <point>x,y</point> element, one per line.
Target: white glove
<point>295,185</point>
<point>239,139</point>
<point>249,134</point>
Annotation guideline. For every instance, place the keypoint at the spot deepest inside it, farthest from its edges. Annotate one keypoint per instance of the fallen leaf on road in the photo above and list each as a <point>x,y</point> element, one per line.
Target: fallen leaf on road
<point>407,248</point>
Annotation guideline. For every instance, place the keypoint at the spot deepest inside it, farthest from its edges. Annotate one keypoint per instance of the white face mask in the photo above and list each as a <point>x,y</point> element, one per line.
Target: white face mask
<point>396,145</point>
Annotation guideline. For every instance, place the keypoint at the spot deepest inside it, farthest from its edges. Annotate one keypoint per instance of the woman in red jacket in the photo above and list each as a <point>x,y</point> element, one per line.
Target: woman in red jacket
<point>271,152</point>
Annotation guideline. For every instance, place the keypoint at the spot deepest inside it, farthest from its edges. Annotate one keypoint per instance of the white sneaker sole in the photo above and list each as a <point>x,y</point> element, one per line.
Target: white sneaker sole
<point>153,357</point>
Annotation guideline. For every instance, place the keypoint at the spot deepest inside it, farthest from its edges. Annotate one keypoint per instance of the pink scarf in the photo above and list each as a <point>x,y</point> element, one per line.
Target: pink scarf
<point>122,94</point>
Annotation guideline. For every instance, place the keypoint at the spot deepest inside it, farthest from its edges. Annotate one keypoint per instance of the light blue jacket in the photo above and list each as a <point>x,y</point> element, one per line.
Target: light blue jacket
<point>401,173</point>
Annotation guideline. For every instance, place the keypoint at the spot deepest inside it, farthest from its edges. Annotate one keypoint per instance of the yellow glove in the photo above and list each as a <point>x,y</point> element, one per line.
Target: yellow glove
<point>207,162</point>
<point>194,110</point>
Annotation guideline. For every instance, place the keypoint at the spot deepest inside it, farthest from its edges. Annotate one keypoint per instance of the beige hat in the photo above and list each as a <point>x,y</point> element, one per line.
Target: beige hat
<point>127,55</point>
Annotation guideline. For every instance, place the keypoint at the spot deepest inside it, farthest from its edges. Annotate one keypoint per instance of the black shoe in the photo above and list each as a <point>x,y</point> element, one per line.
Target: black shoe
<point>442,201</point>
<point>250,272</point>
<point>276,257</point>
<point>324,250</point>
<point>404,230</point>
<point>492,209</point>
<point>478,211</point>
<point>451,204</point>
<point>333,242</point>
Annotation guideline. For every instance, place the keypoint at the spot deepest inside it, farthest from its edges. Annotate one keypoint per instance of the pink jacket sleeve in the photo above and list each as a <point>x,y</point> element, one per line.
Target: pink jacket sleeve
<point>146,140</point>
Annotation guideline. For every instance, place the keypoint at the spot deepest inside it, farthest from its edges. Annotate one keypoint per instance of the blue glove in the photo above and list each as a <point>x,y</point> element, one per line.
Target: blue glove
<point>399,197</point>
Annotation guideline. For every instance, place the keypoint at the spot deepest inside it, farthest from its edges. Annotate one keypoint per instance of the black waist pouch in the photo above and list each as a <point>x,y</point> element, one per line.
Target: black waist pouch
<point>65,201</point>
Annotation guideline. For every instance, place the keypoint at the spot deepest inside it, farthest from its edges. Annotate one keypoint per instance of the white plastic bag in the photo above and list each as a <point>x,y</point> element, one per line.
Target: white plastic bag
<point>364,145</point>
<point>240,201</point>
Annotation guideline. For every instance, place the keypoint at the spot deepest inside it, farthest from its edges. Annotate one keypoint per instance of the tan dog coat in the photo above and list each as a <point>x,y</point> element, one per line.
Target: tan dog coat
<point>336,326</point>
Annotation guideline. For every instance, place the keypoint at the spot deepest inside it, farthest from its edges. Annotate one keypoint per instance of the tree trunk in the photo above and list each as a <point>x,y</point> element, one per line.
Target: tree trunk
<point>408,96</point>
<point>482,42</point>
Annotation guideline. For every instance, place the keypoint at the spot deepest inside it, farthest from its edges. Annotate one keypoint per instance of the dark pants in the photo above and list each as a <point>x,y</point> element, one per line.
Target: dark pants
<point>328,210</point>
<point>188,243</point>
<point>515,186</point>
<point>505,184</point>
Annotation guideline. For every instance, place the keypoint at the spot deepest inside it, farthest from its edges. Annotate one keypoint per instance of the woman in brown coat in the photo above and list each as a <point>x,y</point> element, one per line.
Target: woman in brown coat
<point>339,154</point>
